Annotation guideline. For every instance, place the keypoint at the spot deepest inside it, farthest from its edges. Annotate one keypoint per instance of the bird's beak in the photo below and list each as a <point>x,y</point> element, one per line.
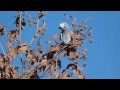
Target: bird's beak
<point>59,27</point>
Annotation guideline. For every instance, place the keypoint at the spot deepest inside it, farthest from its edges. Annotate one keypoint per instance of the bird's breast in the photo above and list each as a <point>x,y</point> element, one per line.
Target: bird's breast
<point>66,37</point>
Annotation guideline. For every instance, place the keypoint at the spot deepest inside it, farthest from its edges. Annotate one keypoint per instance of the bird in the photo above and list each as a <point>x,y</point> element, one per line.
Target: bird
<point>66,33</point>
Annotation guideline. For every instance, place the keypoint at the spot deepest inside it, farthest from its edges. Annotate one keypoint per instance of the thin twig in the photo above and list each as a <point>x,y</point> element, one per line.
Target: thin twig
<point>31,41</point>
<point>2,49</point>
<point>56,68</point>
<point>35,32</point>
<point>20,26</point>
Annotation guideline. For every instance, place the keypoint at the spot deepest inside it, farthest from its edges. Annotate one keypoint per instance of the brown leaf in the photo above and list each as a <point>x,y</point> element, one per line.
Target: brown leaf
<point>17,21</point>
<point>31,62</point>
<point>39,54</point>
<point>2,29</point>
<point>39,29</point>
<point>6,59</point>
<point>81,76</point>
<point>41,13</point>
<point>73,56</point>
<point>77,40</point>
<point>22,27</point>
<point>52,65</point>
<point>1,59</point>
<point>28,54</point>
<point>42,32</point>
<point>44,61</point>
<point>9,44</point>
<point>12,55</point>
<point>55,48</point>
<point>36,35</point>
<point>13,34</point>
<point>11,52</point>
<point>35,21</point>
<point>72,66</point>
<point>29,75</point>
<point>64,75</point>
<point>22,48</point>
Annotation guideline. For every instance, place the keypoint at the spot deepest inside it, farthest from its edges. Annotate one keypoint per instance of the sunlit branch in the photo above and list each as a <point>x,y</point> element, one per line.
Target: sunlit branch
<point>2,49</point>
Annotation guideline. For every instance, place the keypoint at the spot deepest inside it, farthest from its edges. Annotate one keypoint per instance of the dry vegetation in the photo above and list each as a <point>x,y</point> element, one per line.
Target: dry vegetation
<point>38,61</point>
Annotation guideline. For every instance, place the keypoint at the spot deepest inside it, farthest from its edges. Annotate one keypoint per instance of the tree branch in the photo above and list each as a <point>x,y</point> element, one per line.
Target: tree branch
<point>2,49</point>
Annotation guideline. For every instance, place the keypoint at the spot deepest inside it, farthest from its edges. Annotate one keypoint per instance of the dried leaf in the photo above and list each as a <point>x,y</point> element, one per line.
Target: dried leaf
<point>42,32</point>
<point>22,48</point>
<point>72,66</point>
<point>2,29</point>
<point>74,22</point>
<point>6,59</point>
<point>22,27</point>
<point>41,14</point>
<point>55,48</point>
<point>17,22</point>
<point>30,22</point>
<point>77,40</point>
<point>36,35</point>
<point>91,40</point>
<point>44,61</point>
<point>31,62</point>
<point>74,56</point>
<point>52,65</point>
<point>39,53</point>
<point>13,34</point>
<point>39,29</point>
<point>28,54</point>
<point>11,51</point>
<point>81,76</point>
<point>64,75</point>
<point>50,54</point>
<point>35,21</point>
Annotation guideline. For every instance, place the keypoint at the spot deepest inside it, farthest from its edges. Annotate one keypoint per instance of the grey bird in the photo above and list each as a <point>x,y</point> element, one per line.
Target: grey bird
<point>66,33</point>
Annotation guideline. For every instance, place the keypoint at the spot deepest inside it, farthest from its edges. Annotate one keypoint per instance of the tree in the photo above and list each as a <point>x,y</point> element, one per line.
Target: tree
<point>41,64</point>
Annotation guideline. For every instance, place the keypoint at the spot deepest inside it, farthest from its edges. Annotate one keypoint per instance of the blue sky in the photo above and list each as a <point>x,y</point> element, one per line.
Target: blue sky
<point>103,59</point>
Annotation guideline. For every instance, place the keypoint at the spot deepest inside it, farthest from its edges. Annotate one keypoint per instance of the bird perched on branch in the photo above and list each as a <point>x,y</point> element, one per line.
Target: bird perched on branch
<point>66,33</point>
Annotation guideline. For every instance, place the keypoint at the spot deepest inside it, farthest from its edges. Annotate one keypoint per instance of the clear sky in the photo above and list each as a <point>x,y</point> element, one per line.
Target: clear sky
<point>103,59</point>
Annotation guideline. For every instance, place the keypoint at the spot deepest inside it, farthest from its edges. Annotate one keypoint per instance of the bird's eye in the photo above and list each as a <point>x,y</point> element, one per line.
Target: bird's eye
<point>62,25</point>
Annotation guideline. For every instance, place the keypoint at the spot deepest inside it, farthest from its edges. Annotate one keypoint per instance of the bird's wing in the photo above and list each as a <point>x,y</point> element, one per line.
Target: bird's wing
<point>72,34</point>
